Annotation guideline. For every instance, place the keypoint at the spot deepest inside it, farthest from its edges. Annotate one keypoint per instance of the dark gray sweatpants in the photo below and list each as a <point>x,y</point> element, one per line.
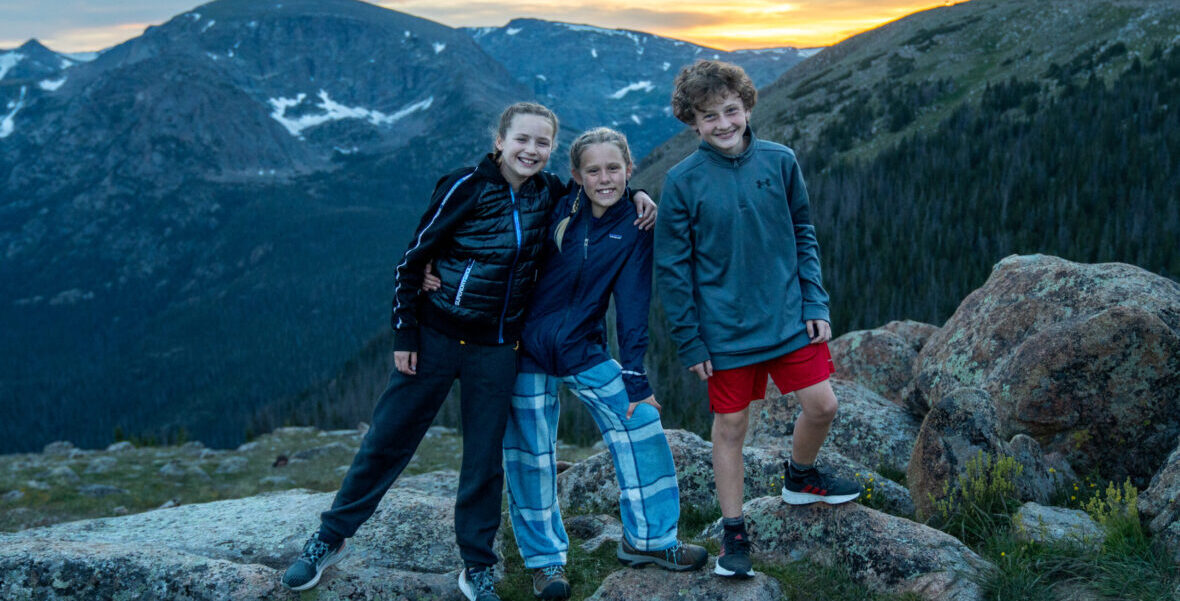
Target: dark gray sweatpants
<point>400,420</point>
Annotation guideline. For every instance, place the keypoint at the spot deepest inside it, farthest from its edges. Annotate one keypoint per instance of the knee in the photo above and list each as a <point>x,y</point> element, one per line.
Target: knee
<point>729,428</point>
<point>643,415</point>
<point>821,410</point>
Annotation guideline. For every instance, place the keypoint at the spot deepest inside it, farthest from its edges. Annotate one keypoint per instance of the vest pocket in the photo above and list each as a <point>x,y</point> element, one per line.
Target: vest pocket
<point>463,282</point>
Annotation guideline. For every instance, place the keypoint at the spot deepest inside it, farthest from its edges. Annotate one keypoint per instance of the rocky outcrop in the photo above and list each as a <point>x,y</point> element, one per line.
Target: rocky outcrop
<point>1160,505</point>
<point>883,552</point>
<point>590,485</point>
<point>236,550</point>
<point>868,429</point>
<point>1057,525</point>
<point>702,585</point>
<point>915,333</point>
<point>957,430</point>
<point>1083,358</point>
<point>879,360</point>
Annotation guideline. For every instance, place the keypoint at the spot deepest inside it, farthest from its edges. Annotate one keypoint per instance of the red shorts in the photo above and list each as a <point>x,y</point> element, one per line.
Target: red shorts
<point>731,390</point>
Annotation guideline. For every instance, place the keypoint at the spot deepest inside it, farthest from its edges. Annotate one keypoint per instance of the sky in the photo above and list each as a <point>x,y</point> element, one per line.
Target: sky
<point>86,25</point>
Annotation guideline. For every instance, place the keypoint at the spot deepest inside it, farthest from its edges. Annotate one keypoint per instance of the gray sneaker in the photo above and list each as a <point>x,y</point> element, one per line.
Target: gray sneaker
<point>315,558</point>
<point>680,557</point>
<point>478,584</point>
<point>550,582</point>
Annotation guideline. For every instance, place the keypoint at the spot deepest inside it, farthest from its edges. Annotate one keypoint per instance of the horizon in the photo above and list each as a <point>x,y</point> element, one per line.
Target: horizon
<point>80,26</point>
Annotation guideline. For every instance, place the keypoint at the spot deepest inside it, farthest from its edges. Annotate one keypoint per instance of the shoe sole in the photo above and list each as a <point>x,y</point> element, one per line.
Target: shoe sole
<point>341,553</point>
<point>724,573</point>
<point>641,561</point>
<point>549,595</point>
<point>804,498</point>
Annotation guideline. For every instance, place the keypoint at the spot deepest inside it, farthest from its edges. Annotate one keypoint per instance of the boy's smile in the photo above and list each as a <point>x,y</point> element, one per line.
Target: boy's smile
<point>722,123</point>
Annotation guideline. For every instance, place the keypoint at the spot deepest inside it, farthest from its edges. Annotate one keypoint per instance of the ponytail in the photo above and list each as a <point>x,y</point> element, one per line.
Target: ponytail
<point>559,235</point>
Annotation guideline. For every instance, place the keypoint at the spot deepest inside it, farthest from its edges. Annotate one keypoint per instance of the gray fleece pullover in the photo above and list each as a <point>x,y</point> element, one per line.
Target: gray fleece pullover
<point>737,262</point>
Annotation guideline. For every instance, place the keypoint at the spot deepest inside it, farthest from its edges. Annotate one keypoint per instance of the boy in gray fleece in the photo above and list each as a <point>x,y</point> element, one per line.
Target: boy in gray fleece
<point>737,265</point>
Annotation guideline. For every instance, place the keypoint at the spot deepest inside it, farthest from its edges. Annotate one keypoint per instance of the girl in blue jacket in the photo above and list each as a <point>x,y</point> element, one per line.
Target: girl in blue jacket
<point>594,252</point>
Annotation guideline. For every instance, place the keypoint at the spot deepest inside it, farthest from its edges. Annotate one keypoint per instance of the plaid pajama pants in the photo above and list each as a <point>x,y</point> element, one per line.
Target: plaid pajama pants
<point>649,500</point>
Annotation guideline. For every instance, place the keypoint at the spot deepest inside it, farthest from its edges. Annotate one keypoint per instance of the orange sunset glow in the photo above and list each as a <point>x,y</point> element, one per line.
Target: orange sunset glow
<point>97,24</point>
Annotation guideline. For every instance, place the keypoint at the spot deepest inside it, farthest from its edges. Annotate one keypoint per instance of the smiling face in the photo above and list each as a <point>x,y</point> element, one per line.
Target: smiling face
<point>722,123</point>
<point>603,173</point>
<point>525,147</point>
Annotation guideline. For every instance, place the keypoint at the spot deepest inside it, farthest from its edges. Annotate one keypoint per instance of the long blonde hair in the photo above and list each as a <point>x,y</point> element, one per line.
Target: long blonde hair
<point>598,135</point>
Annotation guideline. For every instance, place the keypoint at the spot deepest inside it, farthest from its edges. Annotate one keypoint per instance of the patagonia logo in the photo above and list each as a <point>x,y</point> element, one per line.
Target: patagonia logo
<point>616,236</point>
<point>762,183</point>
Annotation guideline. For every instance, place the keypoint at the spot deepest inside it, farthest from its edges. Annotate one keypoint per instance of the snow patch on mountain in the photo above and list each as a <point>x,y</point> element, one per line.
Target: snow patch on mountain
<point>637,86</point>
<point>333,111</point>
<point>9,60</point>
<point>51,85</point>
<point>8,123</point>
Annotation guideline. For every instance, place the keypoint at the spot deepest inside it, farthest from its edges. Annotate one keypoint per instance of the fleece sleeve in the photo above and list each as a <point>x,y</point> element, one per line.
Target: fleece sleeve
<point>453,197</point>
<point>632,292</point>
<point>815,298</point>
<point>674,274</point>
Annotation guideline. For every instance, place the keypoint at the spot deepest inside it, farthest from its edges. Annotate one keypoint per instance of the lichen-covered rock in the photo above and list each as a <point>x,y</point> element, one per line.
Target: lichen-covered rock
<point>960,427</point>
<point>59,447</point>
<point>701,585</point>
<point>1083,358</point>
<point>915,333</point>
<point>590,485</point>
<point>411,530</point>
<point>1035,522</point>
<point>883,552</point>
<point>101,465</point>
<point>232,465</point>
<point>879,360</point>
<point>1160,504</point>
<point>594,530</point>
<point>867,428</point>
<point>57,570</point>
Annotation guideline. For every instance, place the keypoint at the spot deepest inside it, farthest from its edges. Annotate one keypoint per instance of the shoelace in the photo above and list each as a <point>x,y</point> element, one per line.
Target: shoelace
<point>315,549</point>
<point>483,581</point>
<point>553,571</point>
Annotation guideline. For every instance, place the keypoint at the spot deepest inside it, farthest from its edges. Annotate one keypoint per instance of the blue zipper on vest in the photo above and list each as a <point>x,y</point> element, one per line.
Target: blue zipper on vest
<point>463,281</point>
<point>515,259</point>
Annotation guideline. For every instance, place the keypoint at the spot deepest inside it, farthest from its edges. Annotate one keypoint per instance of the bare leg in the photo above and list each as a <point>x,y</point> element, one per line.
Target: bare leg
<point>729,470</point>
<point>819,409</point>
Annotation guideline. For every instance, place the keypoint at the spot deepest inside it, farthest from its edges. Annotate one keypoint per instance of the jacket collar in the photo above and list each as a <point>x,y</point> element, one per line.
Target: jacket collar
<point>728,160</point>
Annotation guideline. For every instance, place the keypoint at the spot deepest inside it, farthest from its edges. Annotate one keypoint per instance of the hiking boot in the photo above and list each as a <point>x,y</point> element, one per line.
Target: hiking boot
<point>315,558</point>
<point>809,486</point>
<point>550,582</point>
<point>478,584</point>
<point>680,557</point>
<point>734,560</point>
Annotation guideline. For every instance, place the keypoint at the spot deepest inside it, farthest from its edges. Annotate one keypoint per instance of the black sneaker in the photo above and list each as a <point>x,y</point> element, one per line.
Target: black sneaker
<point>550,582</point>
<point>315,558</point>
<point>810,486</point>
<point>478,584</point>
<point>734,560</point>
<point>680,557</point>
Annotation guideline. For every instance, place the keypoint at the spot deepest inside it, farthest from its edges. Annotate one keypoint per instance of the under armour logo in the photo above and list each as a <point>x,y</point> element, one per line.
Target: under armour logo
<point>763,183</point>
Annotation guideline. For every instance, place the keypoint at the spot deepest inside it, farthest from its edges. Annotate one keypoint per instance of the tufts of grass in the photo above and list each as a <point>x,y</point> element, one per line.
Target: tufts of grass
<point>807,580</point>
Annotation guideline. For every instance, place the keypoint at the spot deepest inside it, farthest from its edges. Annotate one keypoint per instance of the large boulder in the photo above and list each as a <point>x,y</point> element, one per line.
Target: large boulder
<point>1035,522</point>
<point>867,428</point>
<point>1160,505</point>
<point>883,552</point>
<point>879,360</point>
<point>1083,358</point>
<point>238,548</point>
<point>702,585</point>
<point>960,428</point>
<point>915,333</point>
<point>589,486</point>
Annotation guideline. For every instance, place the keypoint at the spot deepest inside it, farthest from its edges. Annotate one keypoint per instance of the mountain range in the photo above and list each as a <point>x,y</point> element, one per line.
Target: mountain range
<point>205,218</point>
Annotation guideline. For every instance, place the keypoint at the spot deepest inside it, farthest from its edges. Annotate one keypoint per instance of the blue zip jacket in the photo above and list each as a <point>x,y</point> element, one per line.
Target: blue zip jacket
<point>564,331</point>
